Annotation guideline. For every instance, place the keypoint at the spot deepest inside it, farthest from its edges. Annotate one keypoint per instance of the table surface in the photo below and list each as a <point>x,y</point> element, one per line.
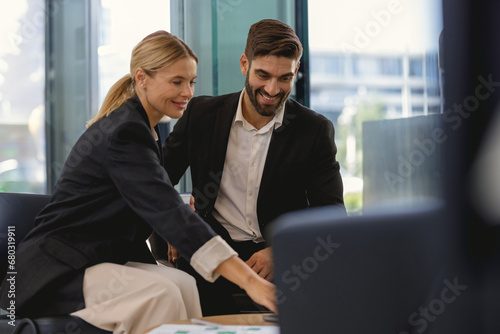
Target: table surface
<point>251,319</point>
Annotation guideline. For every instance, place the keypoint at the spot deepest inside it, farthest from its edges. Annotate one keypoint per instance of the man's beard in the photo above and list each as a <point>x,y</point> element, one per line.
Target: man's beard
<point>263,109</point>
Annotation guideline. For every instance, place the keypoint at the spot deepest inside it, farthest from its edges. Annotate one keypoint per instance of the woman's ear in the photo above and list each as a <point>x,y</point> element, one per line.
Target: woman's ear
<point>140,77</point>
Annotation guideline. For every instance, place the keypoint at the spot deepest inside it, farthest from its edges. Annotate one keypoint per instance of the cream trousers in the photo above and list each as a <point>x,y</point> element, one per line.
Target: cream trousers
<point>131,298</point>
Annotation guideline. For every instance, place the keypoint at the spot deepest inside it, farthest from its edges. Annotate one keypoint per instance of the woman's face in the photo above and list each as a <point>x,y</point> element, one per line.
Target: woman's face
<point>168,91</point>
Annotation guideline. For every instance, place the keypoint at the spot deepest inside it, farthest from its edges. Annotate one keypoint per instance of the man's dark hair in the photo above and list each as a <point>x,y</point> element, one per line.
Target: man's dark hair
<point>270,37</point>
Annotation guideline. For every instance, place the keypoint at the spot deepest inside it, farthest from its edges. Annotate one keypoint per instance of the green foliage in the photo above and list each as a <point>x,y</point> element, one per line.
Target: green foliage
<point>366,110</point>
<point>351,124</point>
<point>354,203</point>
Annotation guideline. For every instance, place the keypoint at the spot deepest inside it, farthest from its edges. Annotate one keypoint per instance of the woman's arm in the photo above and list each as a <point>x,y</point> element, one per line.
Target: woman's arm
<point>261,291</point>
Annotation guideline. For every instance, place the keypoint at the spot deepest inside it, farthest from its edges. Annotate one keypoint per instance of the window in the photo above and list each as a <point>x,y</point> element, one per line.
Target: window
<point>22,84</point>
<point>391,66</point>
<point>370,66</point>
<point>416,68</point>
<point>389,97</point>
<point>366,66</point>
<point>417,91</point>
<point>89,48</point>
<point>332,65</point>
<point>119,32</point>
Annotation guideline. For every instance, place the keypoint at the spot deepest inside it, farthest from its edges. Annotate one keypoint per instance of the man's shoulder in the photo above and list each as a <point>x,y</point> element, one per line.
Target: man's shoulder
<point>304,113</point>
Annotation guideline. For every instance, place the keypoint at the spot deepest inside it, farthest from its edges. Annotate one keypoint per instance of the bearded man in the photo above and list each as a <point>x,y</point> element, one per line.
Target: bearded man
<point>254,155</point>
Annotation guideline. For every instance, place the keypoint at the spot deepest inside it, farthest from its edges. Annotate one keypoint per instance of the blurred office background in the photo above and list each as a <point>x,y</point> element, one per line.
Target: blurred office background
<point>371,66</point>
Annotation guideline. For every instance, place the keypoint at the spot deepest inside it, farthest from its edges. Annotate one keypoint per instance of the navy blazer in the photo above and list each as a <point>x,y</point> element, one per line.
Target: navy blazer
<point>300,170</point>
<point>111,194</point>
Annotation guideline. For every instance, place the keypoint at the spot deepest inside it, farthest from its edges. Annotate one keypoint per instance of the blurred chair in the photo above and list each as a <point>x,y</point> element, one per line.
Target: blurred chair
<point>19,210</point>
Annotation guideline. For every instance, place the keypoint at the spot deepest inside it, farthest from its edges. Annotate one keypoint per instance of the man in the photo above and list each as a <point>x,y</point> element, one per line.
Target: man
<point>254,155</point>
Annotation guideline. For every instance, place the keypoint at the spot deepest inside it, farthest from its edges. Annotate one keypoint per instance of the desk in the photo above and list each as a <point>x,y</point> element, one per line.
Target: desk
<point>251,319</point>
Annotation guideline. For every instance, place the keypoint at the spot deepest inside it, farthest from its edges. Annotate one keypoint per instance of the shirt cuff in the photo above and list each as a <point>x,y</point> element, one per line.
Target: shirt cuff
<point>209,256</point>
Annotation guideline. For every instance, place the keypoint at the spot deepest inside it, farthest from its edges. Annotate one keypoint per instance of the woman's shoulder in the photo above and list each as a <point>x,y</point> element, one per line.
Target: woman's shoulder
<point>126,121</point>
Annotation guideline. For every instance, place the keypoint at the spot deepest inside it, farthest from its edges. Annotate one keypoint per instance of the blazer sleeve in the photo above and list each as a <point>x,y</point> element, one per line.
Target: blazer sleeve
<point>133,164</point>
<point>324,184</point>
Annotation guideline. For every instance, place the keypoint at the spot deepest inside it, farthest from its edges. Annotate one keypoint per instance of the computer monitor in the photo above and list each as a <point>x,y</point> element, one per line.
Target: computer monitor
<point>394,271</point>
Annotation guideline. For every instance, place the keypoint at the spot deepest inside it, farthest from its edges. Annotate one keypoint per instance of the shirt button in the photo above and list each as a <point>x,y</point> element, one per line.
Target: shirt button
<point>253,164</point>
<point>250,223</point>
<point>250,193</point>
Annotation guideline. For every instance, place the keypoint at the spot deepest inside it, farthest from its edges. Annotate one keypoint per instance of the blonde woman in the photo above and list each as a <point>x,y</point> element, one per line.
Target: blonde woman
<point>87,255</point>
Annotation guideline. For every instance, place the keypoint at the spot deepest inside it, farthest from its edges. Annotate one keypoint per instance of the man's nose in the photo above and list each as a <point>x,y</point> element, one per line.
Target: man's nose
<point>272,87</point>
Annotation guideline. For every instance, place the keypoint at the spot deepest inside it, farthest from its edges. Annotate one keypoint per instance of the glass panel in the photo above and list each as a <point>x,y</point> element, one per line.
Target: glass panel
<point>217,31</point>
<point>385,99</point>
<point>89,49</point>
<point>119,32</point>
<point>70,93</point>
<point>22,85</point>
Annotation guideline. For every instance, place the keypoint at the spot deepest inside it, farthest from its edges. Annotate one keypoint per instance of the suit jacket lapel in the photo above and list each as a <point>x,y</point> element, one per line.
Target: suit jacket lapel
<point>224,117</point>
<point>276,146</point>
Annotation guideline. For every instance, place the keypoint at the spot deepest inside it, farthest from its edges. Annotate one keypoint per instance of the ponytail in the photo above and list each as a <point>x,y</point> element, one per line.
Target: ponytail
<point>119,93</point>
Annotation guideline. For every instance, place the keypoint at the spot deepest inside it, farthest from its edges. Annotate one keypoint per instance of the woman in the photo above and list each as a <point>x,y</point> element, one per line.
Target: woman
<point>87,254</point>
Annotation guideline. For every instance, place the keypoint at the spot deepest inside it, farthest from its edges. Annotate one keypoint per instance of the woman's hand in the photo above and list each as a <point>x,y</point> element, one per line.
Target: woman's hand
<point>261,291</point>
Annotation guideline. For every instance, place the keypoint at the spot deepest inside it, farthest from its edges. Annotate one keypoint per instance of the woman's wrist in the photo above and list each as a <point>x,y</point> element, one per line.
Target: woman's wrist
<point>237,271</point>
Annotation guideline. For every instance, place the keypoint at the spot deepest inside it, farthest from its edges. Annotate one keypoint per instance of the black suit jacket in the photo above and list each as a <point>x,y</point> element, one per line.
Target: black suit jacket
<point>111,194</point>
<point>300,171</point>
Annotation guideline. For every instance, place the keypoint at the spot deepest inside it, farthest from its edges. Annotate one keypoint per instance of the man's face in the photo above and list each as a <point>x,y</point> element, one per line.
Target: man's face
<point>269,81</point>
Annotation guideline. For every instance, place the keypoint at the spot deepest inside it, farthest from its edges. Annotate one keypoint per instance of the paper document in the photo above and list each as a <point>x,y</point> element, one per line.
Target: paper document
<point>221,329</point>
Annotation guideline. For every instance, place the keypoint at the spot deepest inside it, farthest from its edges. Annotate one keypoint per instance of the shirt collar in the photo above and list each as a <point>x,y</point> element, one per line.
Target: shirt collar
<point>274,123</point>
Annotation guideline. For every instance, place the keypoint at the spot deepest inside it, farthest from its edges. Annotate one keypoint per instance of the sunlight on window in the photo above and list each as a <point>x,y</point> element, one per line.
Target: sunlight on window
<point>372,60</point>
<point>22,75</point>
<point>123,24</point>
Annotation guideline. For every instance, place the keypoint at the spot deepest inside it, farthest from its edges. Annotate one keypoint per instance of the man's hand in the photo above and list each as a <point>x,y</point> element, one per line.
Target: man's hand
<point>173,255</point>
<point>191,202</point>
<point>262,263</point>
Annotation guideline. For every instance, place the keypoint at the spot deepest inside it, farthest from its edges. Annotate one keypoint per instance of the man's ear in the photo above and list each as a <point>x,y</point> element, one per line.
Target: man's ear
<point>244,64</point>
<point>297,67</point>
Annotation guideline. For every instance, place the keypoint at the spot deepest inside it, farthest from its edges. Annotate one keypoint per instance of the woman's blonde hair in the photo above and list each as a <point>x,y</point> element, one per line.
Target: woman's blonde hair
<point>153,53</point>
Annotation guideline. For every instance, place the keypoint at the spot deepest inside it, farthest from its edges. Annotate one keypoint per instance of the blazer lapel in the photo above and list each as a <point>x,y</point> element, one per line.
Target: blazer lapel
<point>224,117</point>
<point>276,146</point>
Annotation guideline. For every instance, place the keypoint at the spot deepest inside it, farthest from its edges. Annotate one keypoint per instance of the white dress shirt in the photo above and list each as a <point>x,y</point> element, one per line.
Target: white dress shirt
<point>209,256</point>
<point>236,204</point>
